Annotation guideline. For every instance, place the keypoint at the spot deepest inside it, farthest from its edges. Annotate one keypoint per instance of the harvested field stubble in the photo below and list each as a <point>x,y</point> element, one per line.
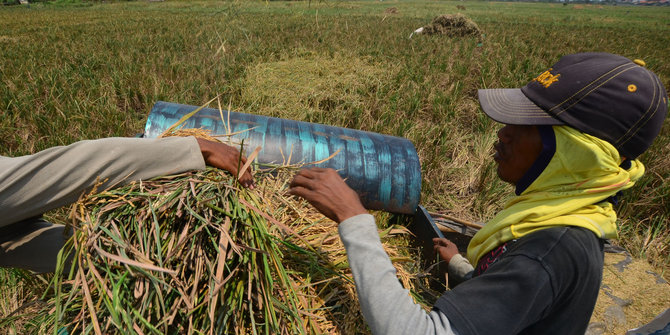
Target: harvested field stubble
<point>316,88</point>
<point>89,70</point>
<point>193,253</point>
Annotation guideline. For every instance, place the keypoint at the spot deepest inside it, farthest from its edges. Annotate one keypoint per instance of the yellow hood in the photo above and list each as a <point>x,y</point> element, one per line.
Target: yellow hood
<point>571,191</point>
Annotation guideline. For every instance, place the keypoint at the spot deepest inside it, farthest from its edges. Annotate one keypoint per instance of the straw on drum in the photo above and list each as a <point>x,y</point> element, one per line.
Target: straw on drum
<point>196,253</point>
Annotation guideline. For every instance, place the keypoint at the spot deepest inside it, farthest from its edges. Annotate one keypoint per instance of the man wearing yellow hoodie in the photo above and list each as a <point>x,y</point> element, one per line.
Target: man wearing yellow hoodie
<point>569,145</point>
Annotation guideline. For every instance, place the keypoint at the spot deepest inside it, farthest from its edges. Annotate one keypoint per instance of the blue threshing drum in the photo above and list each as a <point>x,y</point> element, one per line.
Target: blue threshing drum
<point>384,170</point>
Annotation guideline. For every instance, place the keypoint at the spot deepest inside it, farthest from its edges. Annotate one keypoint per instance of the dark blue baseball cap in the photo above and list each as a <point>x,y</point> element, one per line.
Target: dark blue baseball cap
<point>601,94</point>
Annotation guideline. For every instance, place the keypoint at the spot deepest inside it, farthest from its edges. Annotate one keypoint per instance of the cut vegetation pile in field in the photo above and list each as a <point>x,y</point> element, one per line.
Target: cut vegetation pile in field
<point>391,10</point>
<point>453,25</point>
<point>195,253</point>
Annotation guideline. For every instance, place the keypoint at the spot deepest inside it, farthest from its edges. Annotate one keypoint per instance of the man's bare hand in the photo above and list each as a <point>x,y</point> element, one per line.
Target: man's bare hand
<point>225,157</point>
<point>445,248</point>
<point>328,193</point>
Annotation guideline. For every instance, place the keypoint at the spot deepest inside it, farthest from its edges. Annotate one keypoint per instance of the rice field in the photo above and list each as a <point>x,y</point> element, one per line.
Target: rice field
<point>82,70</point>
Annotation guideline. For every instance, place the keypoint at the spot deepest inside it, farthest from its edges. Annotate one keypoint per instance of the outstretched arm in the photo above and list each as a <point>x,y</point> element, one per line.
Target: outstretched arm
<point>386,305</point>
<point>31,185</point>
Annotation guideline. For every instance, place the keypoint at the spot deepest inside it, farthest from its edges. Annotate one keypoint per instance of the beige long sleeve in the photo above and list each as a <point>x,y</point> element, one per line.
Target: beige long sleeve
<point>31,185</point>
<point>459,269</point>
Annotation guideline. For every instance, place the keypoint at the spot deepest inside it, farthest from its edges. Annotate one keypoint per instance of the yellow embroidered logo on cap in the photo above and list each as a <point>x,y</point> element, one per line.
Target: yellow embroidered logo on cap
<point>632,88</point>
<point>546,78</point>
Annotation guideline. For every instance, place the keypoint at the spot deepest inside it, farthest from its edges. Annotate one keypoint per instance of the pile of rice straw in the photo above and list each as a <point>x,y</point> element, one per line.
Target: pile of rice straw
<point>196,253</point>
<point>453,25</point>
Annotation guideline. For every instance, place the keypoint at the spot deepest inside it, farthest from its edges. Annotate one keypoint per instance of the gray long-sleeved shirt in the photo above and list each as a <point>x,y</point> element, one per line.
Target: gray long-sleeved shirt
<point>386,305</point>
<point>31,185</point>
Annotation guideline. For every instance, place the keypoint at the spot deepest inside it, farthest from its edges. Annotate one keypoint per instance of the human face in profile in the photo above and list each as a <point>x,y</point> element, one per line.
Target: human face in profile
<point>517,149</point>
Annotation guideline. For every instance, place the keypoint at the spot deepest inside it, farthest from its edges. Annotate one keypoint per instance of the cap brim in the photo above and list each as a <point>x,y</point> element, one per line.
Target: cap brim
<point>511,106</point>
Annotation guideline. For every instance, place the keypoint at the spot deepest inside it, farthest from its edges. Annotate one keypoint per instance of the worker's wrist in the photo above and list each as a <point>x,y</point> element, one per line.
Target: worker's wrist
<point>205,148</point>
<point>349,213</point>
<point>355,218</point>
<point>455,258</point>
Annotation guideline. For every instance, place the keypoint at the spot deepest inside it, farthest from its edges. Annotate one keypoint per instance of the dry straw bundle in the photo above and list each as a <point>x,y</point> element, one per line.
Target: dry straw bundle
<point>197,254</point>
<point>453,25</point>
